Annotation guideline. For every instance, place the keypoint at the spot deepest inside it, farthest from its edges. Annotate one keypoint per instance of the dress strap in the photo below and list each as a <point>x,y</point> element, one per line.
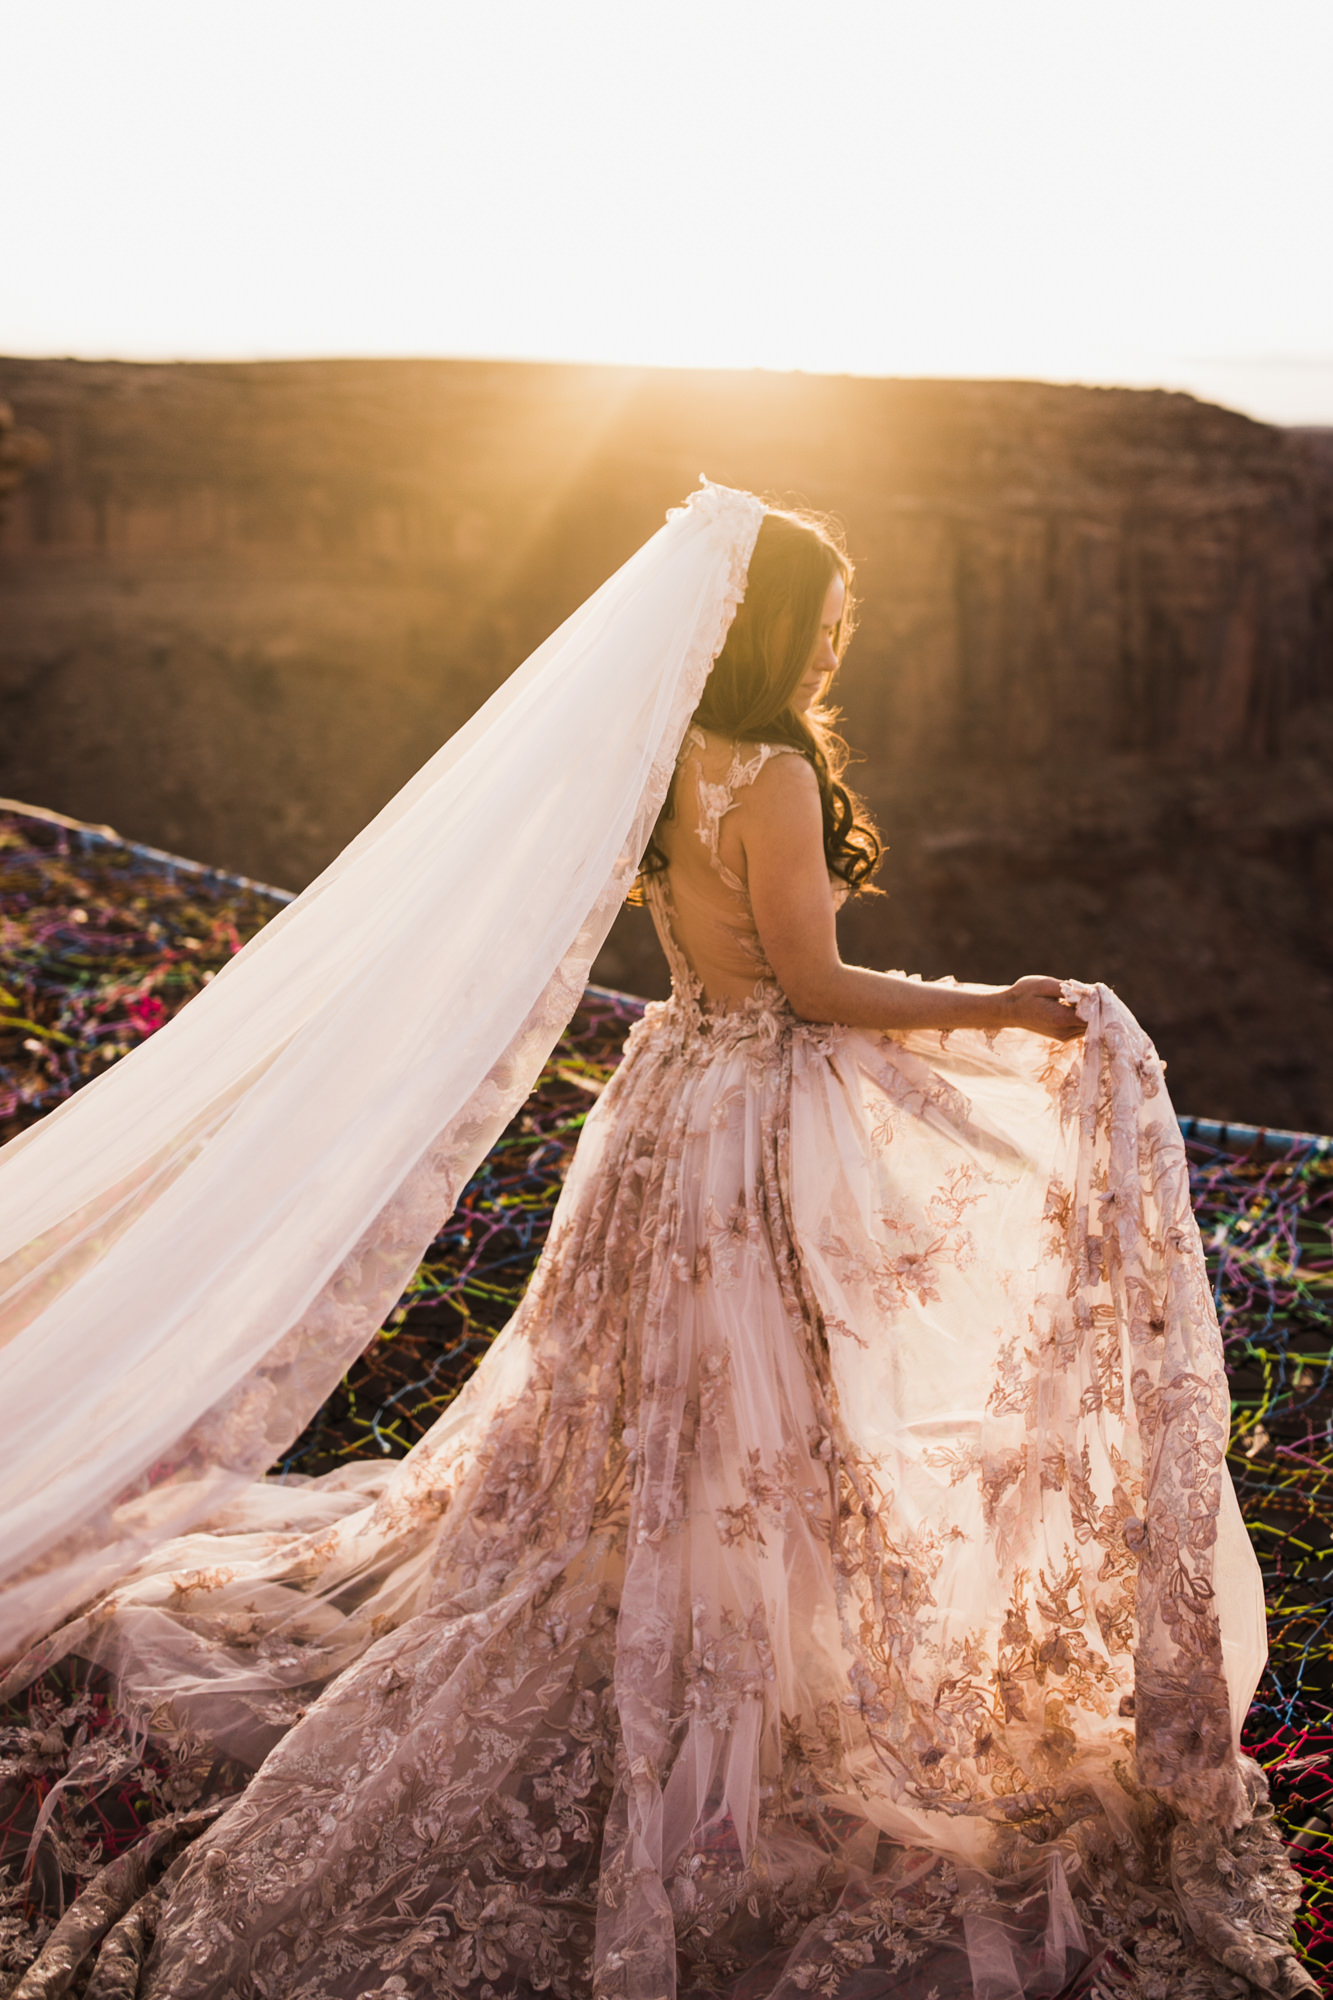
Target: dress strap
<point>716,801</point>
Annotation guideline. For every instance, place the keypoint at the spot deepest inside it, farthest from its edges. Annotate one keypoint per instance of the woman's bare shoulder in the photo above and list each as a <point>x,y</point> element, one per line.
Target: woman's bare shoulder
<point>784,778</point>
<point>781,814</point>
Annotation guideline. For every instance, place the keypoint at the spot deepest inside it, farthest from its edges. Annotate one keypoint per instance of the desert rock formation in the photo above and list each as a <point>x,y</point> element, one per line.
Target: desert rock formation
<point>21,452</point>
<point>1093,678</point>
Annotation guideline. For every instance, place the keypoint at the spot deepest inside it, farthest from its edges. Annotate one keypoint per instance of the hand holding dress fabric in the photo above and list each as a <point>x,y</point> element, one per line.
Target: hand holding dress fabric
<point>1039,1006</point>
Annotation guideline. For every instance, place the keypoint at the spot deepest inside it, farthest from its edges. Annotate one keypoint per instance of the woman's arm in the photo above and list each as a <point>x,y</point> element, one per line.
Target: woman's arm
<point>781,826</point>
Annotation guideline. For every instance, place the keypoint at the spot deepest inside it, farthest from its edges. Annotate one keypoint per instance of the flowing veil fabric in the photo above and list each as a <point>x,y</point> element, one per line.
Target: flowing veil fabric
<point>195,1247</point>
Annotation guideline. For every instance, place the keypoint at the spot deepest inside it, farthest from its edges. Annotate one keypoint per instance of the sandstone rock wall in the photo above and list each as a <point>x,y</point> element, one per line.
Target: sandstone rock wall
<point>1093,677</point>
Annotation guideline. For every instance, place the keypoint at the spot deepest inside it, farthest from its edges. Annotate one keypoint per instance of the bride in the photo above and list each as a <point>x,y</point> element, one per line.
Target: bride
<point>830,1582</point>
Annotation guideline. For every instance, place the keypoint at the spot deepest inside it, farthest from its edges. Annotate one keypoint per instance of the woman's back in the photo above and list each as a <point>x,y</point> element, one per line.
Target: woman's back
<point>701,903</point>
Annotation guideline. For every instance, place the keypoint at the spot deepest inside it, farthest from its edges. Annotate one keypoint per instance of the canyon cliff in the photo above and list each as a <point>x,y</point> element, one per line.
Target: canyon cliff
<point>1092,684</point>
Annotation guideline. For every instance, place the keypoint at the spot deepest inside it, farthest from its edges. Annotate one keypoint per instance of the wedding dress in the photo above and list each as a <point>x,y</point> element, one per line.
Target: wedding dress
<point>830,1582</point>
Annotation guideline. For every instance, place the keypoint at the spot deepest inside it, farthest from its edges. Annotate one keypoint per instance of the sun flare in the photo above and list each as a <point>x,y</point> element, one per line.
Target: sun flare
<point>1031,191</point>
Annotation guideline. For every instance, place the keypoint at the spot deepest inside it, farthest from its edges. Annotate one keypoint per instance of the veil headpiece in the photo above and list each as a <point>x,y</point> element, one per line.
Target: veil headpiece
<point>195,1247</point>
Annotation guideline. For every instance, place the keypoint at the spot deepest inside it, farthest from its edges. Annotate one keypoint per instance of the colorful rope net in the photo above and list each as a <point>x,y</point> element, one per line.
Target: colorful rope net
<point>102,941</point>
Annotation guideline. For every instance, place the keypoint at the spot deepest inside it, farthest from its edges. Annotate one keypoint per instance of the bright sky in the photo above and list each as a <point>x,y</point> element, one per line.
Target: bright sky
<point>1134,191</point>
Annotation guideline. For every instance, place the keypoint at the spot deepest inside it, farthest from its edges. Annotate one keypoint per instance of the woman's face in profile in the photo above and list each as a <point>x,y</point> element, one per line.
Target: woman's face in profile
<point>823,661</point>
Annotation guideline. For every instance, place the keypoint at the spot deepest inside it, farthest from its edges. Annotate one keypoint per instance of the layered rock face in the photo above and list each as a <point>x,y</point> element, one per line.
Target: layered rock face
<point>21,452</point>
<point>1092,684</point>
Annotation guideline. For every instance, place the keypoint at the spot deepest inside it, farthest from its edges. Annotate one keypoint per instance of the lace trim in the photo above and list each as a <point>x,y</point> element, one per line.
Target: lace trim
<point>695,1031</point>
<point>716,801</point>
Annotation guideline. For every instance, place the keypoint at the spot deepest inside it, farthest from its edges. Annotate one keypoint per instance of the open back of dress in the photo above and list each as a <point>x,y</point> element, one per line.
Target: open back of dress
<point>700,902</point>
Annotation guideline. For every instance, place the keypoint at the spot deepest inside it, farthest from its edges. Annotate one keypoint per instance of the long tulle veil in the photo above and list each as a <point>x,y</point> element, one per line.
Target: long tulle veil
<point>194,1248</point>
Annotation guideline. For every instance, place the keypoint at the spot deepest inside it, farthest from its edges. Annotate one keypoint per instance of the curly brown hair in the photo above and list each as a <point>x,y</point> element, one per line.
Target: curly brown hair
<point>748,695</point>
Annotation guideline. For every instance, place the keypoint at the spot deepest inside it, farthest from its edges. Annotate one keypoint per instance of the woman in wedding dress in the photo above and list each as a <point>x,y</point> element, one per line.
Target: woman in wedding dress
<point>830,1581</point>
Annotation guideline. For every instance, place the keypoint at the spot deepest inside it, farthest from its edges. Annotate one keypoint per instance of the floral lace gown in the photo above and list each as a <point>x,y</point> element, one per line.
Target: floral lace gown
<point>829,1582</point>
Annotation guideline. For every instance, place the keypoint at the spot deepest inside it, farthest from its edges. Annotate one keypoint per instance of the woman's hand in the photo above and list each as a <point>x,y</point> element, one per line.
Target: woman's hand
<point>781,825</point>
<point>1035,1004</point>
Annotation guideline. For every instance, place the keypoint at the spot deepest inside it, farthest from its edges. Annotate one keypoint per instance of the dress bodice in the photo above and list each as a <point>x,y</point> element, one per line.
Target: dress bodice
<point>701,902</point>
